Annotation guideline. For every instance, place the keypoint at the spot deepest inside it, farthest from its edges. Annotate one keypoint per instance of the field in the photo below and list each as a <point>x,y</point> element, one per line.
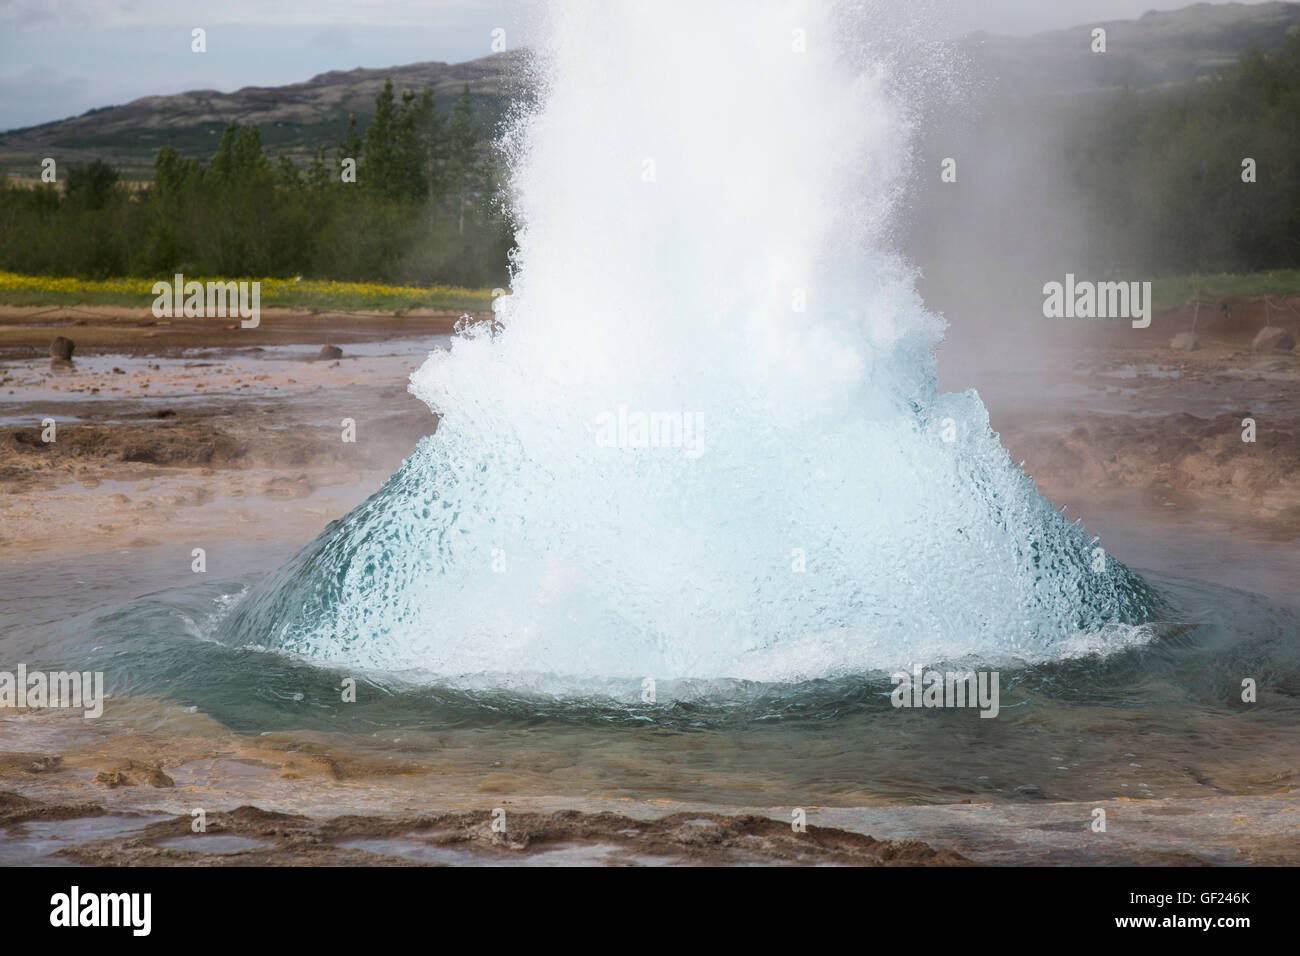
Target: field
<point>297,293</point>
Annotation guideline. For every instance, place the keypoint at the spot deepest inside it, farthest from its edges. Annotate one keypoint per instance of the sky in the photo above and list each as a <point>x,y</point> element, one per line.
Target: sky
<point>59,58</point>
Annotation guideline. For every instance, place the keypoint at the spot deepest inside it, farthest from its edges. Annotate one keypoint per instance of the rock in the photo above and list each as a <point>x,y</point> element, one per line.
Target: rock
<point>284,487</point>
<point>330,352</point>
<point>152,774</point>
<point>1273,337</point>
<point>1185,341</point>
<point>61,348</point>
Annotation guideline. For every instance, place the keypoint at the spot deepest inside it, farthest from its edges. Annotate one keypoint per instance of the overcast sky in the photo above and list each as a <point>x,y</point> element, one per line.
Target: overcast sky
<point>59,58</point>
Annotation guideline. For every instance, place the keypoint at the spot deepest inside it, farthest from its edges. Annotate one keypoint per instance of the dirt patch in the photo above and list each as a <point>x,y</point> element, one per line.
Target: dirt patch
<point>16,809</point>
<point>1182,459</point>
<point>267,838</point>
<point>126,330</point>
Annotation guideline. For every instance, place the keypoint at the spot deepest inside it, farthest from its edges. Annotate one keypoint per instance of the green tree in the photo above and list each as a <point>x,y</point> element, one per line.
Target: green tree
<point>378,167</point>
<point>286,173</point>
<point>318,173</point>
<point>352,147</point>
<point>91,186</point>
<point>464,170</point>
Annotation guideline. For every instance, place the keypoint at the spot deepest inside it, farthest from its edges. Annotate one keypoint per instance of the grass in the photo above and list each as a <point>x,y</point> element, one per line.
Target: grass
<point>1169,293</point>
<point>323,295</point>
<point>315,295</point>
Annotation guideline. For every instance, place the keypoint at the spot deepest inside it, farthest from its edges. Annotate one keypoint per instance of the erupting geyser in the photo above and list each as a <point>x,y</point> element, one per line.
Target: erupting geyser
<point>708,441</point>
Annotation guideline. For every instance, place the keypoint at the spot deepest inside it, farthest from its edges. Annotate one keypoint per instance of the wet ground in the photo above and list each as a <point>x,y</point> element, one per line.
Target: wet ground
<point>238,450</point>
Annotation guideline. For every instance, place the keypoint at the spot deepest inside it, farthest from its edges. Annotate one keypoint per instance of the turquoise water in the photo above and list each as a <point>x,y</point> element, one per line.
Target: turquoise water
<point>1155,718</point>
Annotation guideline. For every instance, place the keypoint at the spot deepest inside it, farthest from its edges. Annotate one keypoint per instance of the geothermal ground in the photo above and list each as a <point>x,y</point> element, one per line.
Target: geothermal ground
<point>202,435</point>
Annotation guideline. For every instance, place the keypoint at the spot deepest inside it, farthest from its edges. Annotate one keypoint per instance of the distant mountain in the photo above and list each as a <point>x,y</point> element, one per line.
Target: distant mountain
<point>1158,48</point>
<point>293,119</point>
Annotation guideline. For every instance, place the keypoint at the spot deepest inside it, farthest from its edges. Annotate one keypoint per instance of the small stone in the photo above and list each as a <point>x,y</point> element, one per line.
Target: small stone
<point>1273,337</point>
<point>61,348</point>
<point>330,352</point>
<point>156,778</point>
<point>284,487</point>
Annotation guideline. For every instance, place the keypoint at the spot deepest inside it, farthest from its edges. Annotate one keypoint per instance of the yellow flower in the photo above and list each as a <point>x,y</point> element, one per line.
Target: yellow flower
<point>302,291</point>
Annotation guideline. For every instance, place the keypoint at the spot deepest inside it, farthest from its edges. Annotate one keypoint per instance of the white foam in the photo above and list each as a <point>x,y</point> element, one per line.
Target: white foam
<point>775,174</point>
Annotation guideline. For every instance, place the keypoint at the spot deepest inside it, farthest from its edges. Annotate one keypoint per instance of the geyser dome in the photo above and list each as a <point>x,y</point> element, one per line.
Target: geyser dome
<point>708,441</point>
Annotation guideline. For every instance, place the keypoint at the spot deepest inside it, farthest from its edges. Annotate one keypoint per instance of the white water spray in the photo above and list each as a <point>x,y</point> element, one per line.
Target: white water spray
<point>708,441</point>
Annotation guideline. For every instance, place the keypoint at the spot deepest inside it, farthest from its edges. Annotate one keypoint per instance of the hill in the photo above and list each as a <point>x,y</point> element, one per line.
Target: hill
<point>1158,48</point>
<point>294,119</point>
